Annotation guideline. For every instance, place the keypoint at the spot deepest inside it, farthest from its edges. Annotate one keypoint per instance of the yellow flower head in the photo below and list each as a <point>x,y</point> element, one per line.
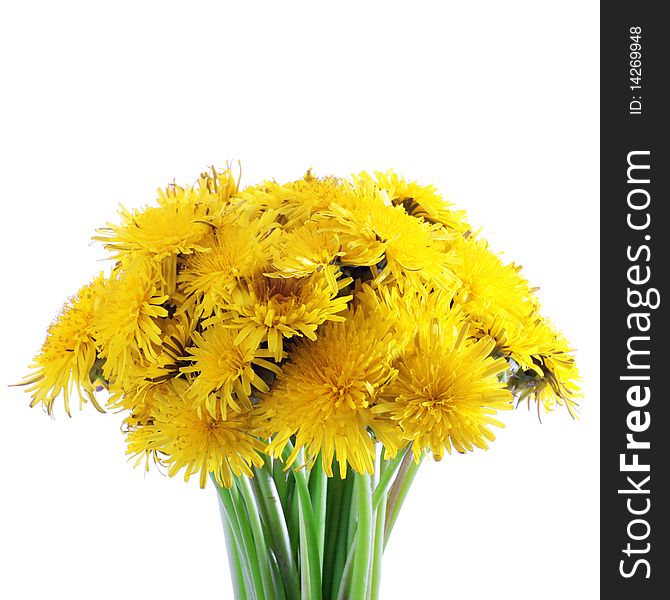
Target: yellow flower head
<point>306,250</point>
<point>393,244</point>
<point>488,286</point>
<point>68,354</point>
<point>221,186</point>
<point>418,200</point>
<point>272,310</point>
<point>406,309</point>
<point>325,392</point>
<point>125,322</point>
<point>224,371</point>
<point>137,389</point>
<point>447,389</point>
<point>239,249</point>
<point>176,226</point>
<point>296,201</point>
<point>180,437</point>
<point>553,378</point>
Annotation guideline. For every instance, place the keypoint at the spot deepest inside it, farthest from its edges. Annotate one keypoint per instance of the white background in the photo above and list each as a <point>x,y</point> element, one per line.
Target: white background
<point>103,102</point>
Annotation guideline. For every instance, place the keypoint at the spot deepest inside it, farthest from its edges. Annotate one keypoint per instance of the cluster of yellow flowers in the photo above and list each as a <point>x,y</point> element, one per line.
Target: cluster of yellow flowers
<point>329,313</point>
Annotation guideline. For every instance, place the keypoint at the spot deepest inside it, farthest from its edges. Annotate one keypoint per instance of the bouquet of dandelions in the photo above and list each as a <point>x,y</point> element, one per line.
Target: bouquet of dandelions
<point>304,346</point>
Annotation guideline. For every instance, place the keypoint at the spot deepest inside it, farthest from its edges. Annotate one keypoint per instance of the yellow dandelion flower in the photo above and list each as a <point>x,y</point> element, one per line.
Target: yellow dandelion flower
<point>418,200</point>
<point>447,389</point>
<point>176,226</point>
<point>272,310</point>
<point>553,378</point>
<point>125,323</point>
<point>372,231</point>
<point>225,371</point>
<point>68,355</point>
<point>180,437</point>
<point>517,340</point>
<point>406,308</point>
<point>306,250</point>
<point>221,186</point>
<point>488,286</point>
<point>142,379</point>
<point>238,250</point>
<point>296,201</point>
<point>324,394</point>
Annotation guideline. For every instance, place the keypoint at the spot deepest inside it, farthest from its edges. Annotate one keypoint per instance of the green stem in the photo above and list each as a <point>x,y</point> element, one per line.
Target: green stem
<point>304,557</point>
<point>353,513</point>
<point>374,483</point>
<point>341,548</point>
<point>262,551</point>
<point>363,539</point>
<point>378,548</point>
<point>235,559</point>
<point>310,549</point>
<point>319,485</point>
<point>244,542</point>
<point>281,542</point>
<point>333,512</point>
<point>390,468</point>
<point>281,483</point>
<point>294,523</point>
<point>345,583</point>
<point>396,500</point>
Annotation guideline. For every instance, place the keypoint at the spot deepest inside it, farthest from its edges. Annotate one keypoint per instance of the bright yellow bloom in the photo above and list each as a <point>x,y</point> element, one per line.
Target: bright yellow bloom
<point>125,323</point>
<point>136,391</point>
<point>447,389</point>
<point>180,437</point>
<point>68,355</point>
<point>272,310</point>
<point>224,371</point>
<point>553,378</point>
<point>306,250</point>
<point>393,244</point>
<point>296,201</point>
<point>176,226</point>
<point>238,250</point>
<point>418,200</point>
<point>488,286</point>
<point>325,392</point>
<point>221,186</point>
<point>406,309</point>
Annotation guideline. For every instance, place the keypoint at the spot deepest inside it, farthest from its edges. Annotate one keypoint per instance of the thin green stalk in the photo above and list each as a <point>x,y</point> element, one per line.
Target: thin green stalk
<point>294,523</point>
<point>319,487</point>
<point>279,587</point>
<point>310,549</point>
<point>235,560</point>
<point>248,543</point>
<point>341,548</point>
<point>345,583</point>
<point>363,551</point>
<point>400,493</point>
<point>333,512</point>
<point>252,578</point>
<point>304,556</point>
<point>281,483</point>
<point>386,477</point>
<point>281,542</point>
<point>374,483</point>
<point>262,551</point>
<point>378,547</point>
<point>353,514</point>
